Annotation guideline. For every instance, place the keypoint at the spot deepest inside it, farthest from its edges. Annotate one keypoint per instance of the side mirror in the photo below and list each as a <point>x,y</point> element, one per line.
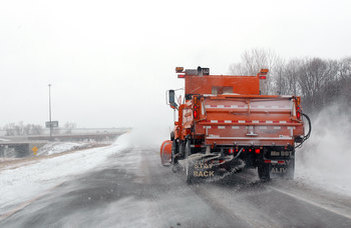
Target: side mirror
<point>171,96</point>
<point>171,99</point>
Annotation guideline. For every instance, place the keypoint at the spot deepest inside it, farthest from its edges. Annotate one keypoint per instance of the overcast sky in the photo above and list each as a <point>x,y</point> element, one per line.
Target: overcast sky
<point>110,62</point>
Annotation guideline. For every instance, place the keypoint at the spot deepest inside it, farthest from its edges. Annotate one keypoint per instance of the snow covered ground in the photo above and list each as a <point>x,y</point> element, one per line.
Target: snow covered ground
<point>315,165</point>
<point>59,147</point>
<point>25,182</point>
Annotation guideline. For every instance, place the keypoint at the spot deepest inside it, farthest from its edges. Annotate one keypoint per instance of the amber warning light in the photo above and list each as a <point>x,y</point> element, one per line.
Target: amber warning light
<point>263,74</point>
<point>179,69</point>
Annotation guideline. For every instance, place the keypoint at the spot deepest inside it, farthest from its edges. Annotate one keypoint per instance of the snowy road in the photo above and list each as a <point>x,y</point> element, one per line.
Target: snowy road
<point>129,188</point>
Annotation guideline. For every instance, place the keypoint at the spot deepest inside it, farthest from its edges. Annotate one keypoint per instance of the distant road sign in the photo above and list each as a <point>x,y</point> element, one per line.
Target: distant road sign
<point>52,123</point>
<point>35,149</point>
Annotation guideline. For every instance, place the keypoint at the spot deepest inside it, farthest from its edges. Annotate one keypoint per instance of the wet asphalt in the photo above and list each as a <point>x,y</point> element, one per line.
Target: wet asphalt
<point>132,189</point>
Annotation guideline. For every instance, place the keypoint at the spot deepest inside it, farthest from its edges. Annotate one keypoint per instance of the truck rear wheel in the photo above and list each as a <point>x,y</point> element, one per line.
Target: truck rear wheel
<point>264,172</point>
<point>174,159</point>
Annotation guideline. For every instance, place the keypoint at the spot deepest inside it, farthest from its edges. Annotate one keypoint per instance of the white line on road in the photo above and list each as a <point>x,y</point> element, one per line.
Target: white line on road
<point>26,203</point>
<point>335,211</point>
<point>338,212</point>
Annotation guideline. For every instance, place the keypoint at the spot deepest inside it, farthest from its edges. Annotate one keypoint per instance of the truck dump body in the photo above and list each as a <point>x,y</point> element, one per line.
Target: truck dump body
<point>249,120</point>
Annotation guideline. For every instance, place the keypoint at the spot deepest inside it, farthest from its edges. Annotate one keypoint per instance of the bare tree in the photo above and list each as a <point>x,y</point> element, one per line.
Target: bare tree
<point>20,129</point>
<point>280,82</point>
<point>318,81</point>
<point>10,129</point>
<point>253,60</point>
<point>289,78</point>
<point>344,67</point>
<point>315,75</point>
<point>33,129</point>
<point>69,126</point>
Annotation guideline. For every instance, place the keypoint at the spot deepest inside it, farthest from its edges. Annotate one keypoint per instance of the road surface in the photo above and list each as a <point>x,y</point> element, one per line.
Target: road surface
<point>132,189</point>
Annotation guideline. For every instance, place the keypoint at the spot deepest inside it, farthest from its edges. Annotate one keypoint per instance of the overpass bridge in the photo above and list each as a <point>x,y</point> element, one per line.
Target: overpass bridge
<point>18,149</point>
<point>22,146</point>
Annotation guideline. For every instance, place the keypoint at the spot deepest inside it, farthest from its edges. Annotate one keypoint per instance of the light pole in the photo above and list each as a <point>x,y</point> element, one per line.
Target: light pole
<point>50,111</point>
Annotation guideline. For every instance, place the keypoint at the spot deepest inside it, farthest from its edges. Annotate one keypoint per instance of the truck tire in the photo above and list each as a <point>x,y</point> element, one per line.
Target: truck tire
<point>171,136</point>
<point>264,172</point>
<point>174,159</point>
<point>189,166</point>
<point>181,149</point>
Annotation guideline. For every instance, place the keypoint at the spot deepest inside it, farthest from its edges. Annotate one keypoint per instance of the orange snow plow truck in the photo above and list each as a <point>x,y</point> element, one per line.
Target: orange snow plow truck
<point>226,123</point>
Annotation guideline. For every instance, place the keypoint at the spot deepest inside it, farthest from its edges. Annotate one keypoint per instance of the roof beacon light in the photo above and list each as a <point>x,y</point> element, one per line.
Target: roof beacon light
<point>179,69</point>
<point>263,74</point>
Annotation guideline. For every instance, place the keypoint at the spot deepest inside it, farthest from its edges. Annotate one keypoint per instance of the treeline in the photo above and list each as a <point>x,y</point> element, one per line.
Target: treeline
<point>319,81</point>
<point>21,129</point>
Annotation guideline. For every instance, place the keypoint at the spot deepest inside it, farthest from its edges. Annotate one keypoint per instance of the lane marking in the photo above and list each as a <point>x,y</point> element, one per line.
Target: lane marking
<point>26,203</point>
<point>346,215</point>
<point>311,202</point>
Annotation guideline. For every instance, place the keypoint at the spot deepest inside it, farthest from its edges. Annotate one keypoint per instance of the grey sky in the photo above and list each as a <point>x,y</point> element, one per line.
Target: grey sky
<point>110,62</point>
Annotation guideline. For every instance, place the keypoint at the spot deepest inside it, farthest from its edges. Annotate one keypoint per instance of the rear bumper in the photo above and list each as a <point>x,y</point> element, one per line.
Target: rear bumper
<point>249,141</point>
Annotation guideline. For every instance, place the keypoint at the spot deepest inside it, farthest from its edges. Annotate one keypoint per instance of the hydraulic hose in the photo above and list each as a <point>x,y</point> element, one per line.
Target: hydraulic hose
<point>309,130</point>
<point>309,127</point>
<point>238,154</point>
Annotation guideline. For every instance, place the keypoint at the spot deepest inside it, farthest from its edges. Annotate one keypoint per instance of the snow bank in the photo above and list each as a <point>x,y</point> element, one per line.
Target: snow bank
<point>59,147</point>
<point>24,183</point>
<point>325,158</point>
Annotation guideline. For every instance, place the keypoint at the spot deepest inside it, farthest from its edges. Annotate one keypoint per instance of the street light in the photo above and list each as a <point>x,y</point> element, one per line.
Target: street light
<point>50,124</point>
<point>50,112</point>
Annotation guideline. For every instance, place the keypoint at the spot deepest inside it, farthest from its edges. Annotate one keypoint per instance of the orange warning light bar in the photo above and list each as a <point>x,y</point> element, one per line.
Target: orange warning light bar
<point>179,69</point>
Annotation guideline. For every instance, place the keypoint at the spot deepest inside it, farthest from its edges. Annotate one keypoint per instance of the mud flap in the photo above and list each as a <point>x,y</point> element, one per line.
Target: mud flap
<point>286,170</point>
<point>264,171</point>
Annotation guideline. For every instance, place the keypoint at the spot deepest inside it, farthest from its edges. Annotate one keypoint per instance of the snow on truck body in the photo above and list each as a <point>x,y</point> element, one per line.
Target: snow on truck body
<point>225,119</point>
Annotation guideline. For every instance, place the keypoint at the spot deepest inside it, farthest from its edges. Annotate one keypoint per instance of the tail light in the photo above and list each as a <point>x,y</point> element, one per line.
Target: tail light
<point>298,108</point>
<point>195,113</point>
<point>196,107</point>
<point>231,151</point>
<point>298,112</point>
<point>257,151</point>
